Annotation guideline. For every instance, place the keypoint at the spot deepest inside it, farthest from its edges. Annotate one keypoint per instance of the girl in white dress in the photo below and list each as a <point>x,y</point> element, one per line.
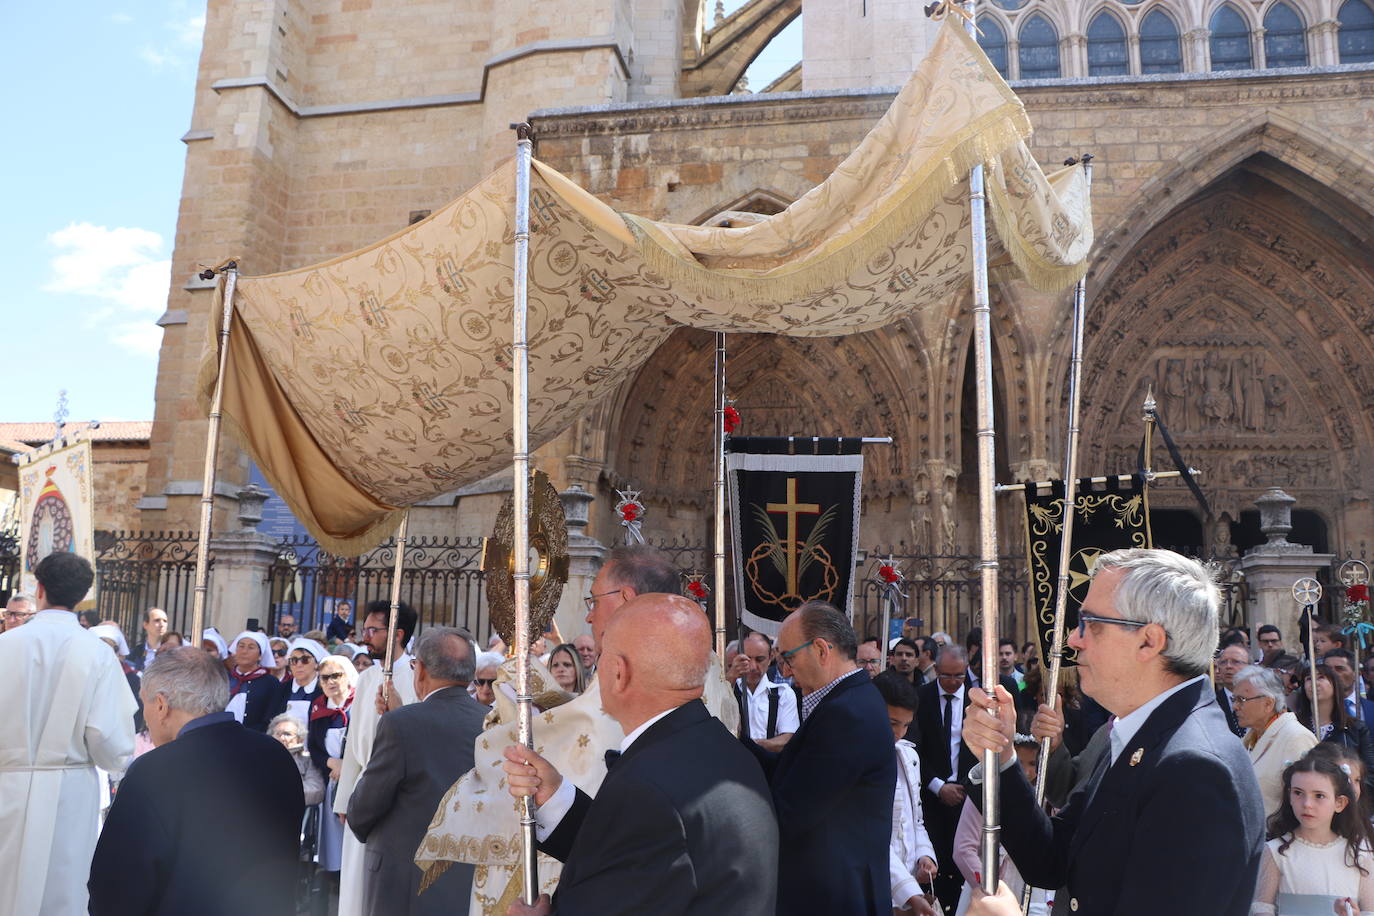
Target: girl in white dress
<point>1319,858</point>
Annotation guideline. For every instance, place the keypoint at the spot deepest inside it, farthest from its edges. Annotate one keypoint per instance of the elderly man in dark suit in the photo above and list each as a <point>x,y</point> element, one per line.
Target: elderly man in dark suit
<point>1171,819</point>
<point>834,782</point>
<point>208,822</point>
<point>420,751</point>
<point>682,822</point>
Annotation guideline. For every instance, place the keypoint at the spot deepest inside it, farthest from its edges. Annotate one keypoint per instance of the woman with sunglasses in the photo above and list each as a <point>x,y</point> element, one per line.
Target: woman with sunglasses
<point>280,650</point>
<point>324,738</point>
<point>303,663</point>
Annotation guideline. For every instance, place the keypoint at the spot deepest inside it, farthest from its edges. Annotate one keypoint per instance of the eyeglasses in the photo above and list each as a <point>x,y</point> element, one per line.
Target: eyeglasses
<point>368,631</point>
<point>869,662</point>
<point>301,659</point>
<point>1241,701</point>
<point>484,681</point>
<point>1085,619</point>
<point>787,656</point>
<point>18,615</point>
<point>590,600</point>
<point>332,677</point>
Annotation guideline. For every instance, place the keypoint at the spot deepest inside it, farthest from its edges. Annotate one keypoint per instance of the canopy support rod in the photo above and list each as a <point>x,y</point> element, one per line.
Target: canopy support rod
<point>396,572</point>
<point>987,503</point>
<point>1061,595</point>
<point>718,443</point>
<point>1121,478</point>
<point>207,485</point>
<point>524,150</point>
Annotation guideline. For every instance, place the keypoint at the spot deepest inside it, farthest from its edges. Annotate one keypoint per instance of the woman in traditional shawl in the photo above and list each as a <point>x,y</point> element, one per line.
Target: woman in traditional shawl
<point>254,694</point>
<point>325,734</point>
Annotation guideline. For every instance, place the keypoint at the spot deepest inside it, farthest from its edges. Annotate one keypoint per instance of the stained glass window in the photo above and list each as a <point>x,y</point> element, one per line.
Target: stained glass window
<point>1285,40</point>
<point>1356,36</point>
<point>1107,46</point>
<point>1039,51</point>
<point>1160,51</point>
<point>993,41</point>
<point>1230,40</point>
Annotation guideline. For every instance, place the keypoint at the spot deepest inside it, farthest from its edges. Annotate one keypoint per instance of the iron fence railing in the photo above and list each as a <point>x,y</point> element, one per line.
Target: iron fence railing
<point>441,579</point>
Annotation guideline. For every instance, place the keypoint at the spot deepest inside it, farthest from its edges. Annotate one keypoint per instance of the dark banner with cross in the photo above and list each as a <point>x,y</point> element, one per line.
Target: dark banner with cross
<point>1107,517</point>
<point>794,513</point>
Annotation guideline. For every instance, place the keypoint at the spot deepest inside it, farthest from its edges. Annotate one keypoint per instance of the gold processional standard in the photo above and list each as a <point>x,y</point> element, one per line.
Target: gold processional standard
<point>438,356</point>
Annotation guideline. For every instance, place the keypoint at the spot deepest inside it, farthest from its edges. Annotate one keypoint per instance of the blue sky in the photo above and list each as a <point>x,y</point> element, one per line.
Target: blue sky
<point>100,94</point>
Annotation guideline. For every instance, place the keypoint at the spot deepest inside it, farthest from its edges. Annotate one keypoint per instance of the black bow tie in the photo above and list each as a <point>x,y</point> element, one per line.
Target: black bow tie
<point>611,758</point>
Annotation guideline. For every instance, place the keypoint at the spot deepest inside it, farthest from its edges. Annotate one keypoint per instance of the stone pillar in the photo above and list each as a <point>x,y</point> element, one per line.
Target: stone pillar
<point>584,562</point>
<point>239,587</point>
<point>1271,568</point>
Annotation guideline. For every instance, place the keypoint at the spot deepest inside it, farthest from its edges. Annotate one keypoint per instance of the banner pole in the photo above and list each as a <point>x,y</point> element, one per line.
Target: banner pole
<point>395,605</point>
<point>524,151</point>
<point>987,501</point>
<point>1061,595</point>
<point>207,486</point>
<point>719,522</point>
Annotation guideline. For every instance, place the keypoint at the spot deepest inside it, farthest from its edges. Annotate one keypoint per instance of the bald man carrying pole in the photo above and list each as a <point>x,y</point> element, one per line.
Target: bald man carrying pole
<point>683,822</point>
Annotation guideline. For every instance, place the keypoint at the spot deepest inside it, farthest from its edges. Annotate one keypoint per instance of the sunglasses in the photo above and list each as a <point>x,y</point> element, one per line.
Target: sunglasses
<point>331,677</point>
<point>279,652</point>
<point>301,659</point>
<point>484,681</point>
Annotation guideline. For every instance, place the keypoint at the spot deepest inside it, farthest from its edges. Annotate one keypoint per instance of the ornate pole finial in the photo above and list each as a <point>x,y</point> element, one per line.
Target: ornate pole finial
<point>1150,405</point>
<point>59,417</point>
<point>720,12</point>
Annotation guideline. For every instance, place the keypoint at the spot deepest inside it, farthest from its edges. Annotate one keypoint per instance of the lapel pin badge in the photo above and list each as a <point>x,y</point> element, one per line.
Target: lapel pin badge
<point>1135,758</point>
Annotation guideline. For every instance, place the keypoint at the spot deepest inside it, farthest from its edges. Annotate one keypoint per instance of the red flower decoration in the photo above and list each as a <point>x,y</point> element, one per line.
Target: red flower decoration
<point>697,589</point>
<point>888,574</point>
<point>1357,593</point>
<point>630,512</point>
<point>731,420</point>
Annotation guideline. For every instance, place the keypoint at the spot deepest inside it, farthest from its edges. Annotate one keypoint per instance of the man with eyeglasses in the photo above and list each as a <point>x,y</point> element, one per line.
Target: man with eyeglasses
<point>833,783</point>
<point>1171,820</point>
<point>18,610</point>
<point>286,626</point>
<point>1228,663</point>
<point>869,657</point>
<point>1270,639</point>
<point>368,704</point>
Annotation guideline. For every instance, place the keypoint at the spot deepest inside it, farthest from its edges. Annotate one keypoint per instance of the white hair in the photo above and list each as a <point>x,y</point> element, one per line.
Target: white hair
<point>1179,594</point>
<point>189,679</point>
<point>1266,683</point>
<point>19,598</point>
<point>490,660</point>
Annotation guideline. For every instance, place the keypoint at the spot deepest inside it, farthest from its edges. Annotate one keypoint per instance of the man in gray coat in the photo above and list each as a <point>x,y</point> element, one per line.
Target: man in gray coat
<point>420,751</point>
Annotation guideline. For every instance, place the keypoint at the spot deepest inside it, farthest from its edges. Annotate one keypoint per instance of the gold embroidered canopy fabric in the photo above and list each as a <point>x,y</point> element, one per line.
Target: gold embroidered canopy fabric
<point>382,378</point>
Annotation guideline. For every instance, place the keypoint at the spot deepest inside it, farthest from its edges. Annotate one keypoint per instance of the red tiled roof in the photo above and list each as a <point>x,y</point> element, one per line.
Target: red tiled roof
<point>10,445</point>
<point>111,431</point>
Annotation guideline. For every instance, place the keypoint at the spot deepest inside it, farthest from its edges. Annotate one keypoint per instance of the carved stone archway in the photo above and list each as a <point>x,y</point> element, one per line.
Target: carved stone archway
<point>1249,311</point>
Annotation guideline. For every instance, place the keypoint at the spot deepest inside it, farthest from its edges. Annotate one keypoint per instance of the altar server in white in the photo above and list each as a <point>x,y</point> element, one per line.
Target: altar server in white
<point>70,711</point>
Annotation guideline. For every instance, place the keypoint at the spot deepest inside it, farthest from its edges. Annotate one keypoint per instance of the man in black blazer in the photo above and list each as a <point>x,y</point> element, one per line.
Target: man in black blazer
<point>208,822</point>
<point>945,761</point>
<point>682,822</point>
<point>834,782</point>
<point>154,628</point>
<point>1171,819</point>
<point>420,751</point>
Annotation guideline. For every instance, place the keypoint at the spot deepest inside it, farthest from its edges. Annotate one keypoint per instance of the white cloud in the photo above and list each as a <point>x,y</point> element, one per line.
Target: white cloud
<point>121,18</point>
<point>181,42</point>
<point>124,271</point>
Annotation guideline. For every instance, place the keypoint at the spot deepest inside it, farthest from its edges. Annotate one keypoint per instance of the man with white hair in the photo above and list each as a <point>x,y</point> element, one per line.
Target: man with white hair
<point>1171,819</point>
<point>208,822</point>
<point>69,711</point>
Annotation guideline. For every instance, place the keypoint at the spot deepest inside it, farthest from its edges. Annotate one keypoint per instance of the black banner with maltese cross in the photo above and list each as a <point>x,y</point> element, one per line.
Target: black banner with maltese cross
<point>794,512</point>
<point>1106,517</point>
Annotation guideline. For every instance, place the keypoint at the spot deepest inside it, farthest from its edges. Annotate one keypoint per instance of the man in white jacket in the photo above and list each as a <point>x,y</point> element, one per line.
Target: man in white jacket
<point>911,858</point>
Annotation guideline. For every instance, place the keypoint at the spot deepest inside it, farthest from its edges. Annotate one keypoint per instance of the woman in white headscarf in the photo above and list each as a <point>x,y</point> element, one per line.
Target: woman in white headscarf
<point>329,716</point>
<point>303,662</point>
<point>254,694</point>
<point>212,642</point>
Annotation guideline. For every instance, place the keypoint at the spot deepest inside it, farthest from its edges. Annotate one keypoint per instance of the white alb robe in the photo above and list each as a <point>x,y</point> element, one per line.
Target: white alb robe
<point>70,710</point>
<point>362,732</point>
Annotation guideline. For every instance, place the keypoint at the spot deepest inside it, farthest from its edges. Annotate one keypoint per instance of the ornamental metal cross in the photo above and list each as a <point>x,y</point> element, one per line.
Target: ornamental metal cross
<point>60,417</point>
<point>792,509</point>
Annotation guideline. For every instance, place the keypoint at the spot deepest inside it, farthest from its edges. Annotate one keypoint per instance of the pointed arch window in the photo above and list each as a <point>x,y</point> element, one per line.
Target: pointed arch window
<point>1355,40</point>
<point>1160,50</point>
<point>1039,50</point>
<point>1230,40</point>
<point>1285,39</point>
<point>993,41</point>
<point>1107,46</point>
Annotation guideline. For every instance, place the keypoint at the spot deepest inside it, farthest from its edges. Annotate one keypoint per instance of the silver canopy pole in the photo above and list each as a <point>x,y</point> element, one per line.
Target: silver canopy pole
<point>207,486</point>
<point>524,149</point>
<point>987,502</point>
